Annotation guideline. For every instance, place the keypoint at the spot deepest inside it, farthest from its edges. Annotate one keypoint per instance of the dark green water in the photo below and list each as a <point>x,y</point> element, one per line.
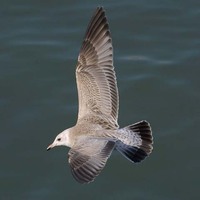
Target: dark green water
<point>157,60</point>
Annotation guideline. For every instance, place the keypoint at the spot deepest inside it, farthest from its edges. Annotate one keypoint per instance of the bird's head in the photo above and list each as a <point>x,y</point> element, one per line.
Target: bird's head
<point>61,139</point>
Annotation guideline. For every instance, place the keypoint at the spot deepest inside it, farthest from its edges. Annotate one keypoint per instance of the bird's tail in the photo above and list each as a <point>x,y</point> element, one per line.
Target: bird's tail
<point>135,141</point>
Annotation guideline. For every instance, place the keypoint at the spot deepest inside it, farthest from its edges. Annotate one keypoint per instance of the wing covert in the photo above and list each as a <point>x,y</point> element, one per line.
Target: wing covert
<point>87,160</point>
<point>95,75</point>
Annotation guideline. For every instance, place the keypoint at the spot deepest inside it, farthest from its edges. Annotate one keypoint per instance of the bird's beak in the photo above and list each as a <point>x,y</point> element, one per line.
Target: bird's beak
<point>50,147</point>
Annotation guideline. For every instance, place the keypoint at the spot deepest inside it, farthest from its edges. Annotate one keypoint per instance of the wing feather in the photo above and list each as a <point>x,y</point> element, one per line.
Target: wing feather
<point>86,162</point>
<point>95,75</point>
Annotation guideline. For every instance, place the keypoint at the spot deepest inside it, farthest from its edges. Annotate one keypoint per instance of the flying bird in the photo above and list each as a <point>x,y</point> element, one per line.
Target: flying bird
<point>97,133</point>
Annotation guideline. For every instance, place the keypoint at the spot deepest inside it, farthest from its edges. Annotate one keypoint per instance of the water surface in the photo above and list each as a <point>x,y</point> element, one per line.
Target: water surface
<point>156,49</point>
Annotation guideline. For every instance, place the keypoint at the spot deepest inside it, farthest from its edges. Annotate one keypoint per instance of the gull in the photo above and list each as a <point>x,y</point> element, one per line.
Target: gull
<point>97,133</point>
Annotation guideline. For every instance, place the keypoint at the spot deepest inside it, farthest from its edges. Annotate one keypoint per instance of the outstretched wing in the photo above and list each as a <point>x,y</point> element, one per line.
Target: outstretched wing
<point>88,159</point>
<point>95,75</point>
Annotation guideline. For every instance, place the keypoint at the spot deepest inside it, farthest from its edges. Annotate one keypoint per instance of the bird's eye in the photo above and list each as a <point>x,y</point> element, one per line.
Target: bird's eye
<point>58,139</point>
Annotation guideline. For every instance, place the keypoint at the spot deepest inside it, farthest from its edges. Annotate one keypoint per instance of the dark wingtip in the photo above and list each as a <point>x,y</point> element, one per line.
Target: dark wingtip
<point>100,8</point>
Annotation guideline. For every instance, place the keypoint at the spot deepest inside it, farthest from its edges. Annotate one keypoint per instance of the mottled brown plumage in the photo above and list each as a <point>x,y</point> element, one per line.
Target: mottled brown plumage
<point>96,132</point>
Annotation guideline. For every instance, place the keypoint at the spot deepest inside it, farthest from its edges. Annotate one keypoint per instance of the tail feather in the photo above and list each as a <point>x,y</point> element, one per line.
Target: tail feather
<point>141,145</point>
